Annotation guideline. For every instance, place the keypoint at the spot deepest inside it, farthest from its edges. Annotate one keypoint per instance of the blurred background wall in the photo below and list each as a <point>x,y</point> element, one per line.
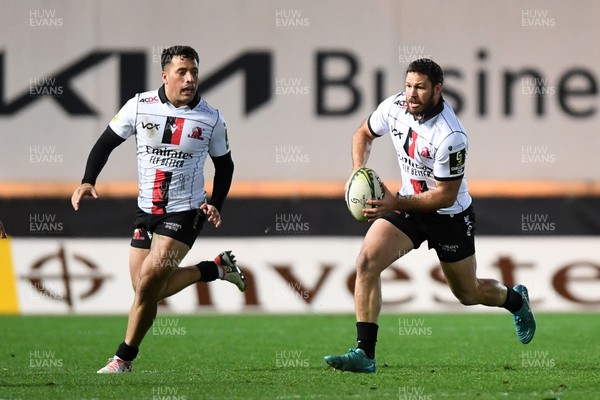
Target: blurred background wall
<point>294,79</point>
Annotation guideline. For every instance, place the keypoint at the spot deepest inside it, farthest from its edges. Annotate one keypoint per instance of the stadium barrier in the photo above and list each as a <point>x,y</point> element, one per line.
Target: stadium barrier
<point>110,217</point>
<point>298,274</point>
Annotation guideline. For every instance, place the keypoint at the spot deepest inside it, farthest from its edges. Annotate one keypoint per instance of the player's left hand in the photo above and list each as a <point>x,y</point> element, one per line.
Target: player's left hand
<point>212,214</point>
<point>384,206</point>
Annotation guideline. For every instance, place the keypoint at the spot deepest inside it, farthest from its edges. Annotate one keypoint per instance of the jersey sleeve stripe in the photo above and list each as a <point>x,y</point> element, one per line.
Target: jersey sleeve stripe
<point>449,178</point>
<point>370,128</point>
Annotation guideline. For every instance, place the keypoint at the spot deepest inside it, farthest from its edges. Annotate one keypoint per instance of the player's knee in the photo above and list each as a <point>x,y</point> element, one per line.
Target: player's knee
<point>467,298</point>
<point>367,263</point>
<point>146,282</point>
<point>147,294</point>
<point>150,284</point>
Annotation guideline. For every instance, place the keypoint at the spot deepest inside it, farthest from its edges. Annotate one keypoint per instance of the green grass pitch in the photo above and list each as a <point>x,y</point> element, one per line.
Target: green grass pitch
<point>425,356</point>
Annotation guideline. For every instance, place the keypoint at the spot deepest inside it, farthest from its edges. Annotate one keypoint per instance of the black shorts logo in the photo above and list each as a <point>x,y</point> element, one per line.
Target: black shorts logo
<point>449,248</point>
<point>173,226</point>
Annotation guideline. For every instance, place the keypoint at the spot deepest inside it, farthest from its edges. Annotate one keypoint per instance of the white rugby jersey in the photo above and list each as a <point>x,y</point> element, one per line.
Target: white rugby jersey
<point>430,150</point>
<point>172,146</point>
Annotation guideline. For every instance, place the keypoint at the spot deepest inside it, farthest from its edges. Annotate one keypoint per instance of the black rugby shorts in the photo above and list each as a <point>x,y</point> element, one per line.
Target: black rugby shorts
<point>451,235</point>
<point>183,226</point>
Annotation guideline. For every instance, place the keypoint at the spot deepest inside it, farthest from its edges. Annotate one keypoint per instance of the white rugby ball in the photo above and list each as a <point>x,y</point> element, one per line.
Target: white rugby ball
<point>363,185</point>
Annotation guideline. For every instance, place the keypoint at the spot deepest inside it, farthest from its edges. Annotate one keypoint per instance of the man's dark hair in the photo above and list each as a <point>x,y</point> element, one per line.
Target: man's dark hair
<point>427,66</point>
<point>181,51</point>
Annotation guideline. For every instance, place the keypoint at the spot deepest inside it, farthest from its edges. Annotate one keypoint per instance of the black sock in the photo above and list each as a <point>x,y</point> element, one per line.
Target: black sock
<point>514,301</point>
<point>127,353</point>
<point>209,271</point>
<point>366,336</point>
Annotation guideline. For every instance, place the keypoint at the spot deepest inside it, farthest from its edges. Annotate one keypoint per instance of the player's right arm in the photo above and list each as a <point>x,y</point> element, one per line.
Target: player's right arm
<point>373,127</point>
<point>97,159</point>
<point>119,129</point>
<point>362,140</point>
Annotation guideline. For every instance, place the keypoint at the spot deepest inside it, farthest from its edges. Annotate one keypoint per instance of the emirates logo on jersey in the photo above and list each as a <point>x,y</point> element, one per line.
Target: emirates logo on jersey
<point>196,133</point>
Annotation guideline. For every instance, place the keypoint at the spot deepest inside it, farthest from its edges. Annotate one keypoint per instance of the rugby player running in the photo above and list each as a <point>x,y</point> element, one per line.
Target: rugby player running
<point>433,205</point>
<point>175,132</point>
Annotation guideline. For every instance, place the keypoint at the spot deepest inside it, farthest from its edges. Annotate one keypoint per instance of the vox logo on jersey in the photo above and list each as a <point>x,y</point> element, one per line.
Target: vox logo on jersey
<point>150,126</point>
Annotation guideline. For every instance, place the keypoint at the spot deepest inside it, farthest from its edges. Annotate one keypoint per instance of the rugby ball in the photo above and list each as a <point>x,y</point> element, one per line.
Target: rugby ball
<point>363,185</point>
